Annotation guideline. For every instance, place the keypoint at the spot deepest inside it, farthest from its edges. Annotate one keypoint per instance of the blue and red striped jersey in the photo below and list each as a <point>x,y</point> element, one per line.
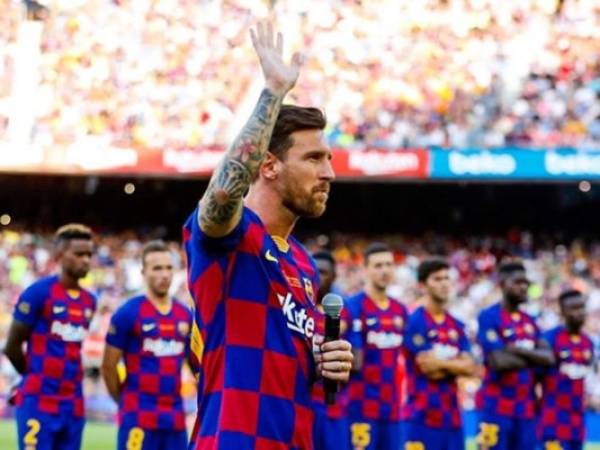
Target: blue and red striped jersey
<point>155,346</point>
<point>337,410</point>
<point>59,319</point>
<point>254,298</point>
<point>509,393</point>
<point>562,402</point>
<point>433,403</point>
<point>374,391</point>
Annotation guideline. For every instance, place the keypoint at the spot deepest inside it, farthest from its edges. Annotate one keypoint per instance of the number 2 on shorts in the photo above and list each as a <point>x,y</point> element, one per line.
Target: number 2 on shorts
<point>30,439</point>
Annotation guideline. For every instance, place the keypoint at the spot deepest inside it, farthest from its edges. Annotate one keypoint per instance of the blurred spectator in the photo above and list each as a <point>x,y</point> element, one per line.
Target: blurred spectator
<point>389,73</point>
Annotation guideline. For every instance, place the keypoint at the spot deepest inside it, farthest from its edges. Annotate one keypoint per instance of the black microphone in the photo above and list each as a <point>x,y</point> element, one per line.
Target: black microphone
<point>332,305</point>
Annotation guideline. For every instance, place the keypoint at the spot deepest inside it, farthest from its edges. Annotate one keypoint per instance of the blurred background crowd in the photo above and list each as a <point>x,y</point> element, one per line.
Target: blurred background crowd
<point>116,276</point>
<point>154,75</point>
<point>392,73</point>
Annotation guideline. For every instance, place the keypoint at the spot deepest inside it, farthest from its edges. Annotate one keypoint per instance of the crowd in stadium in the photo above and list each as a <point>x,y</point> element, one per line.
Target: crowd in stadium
<point>390,73</point>
<point>116,276</point>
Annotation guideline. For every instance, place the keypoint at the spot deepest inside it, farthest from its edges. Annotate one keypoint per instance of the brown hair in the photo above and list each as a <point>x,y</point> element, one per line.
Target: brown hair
<point>375,247</point>
<point>153,247</point>
<point>291,119</point>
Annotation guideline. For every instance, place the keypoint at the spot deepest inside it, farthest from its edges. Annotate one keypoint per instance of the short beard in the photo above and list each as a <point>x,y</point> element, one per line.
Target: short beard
<point>380,286</point>
<point>158,293</point>
<point>309,208</point>
<point>301,205</point>
<point>439,300</point>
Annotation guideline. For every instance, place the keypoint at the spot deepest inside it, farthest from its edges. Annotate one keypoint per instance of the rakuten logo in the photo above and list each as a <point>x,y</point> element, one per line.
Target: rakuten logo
<point>68,332</point>
<point>445,351</point>
<point>296,316</point>
<point>163,347</point>
<point>374,163</point>
<point>574,371</point>
<point>484,163</point>
<point>192,161</point>
<point>384,340</point>
<point>578,164</point>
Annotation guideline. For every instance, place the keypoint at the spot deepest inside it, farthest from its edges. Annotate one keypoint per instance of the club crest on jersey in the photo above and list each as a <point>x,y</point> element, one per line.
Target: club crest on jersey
<point>453,334</point>
<point>491,336</point>
<point>587,355</point>
<point>343,326</point>
<point>183,328</point>
<point>296,316</point>
<point>529,328</point>
<point>418,340</point>
<point>308,288</point>
<point>24,307</point>
<point>398,322</point>
<point>88,313</point>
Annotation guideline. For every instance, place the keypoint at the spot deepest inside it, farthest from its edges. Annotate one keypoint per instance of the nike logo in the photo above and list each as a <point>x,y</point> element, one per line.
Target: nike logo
<point>58,309</point>
<point>148,326</point>
<point>270,257</point>
<point>371,322</point>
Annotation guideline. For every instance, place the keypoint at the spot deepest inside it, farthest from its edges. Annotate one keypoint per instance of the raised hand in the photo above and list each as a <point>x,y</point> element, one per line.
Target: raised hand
<point>279,76</point>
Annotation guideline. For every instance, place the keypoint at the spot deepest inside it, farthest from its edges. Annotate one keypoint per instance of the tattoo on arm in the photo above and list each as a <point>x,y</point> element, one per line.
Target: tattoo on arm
<point>222,201</point>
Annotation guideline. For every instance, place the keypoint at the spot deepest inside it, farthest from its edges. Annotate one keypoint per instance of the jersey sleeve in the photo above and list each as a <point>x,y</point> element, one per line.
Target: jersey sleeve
<point>539,336</point>
<point>355,325</point>
<point>94,302</point>
<point>488,334</point>
<point>463,343</point>
<point>121,326</point>
<point>30,305</point>
<point>345,323</point>
<point>188,342</point>
<point>196,240</point>
<point>415,340</point>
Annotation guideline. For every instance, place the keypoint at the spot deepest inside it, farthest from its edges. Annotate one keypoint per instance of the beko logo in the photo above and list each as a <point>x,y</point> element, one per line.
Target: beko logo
<point>484,163</point>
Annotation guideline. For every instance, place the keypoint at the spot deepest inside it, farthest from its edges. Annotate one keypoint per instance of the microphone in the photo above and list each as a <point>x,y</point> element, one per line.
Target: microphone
<point>332,304</point>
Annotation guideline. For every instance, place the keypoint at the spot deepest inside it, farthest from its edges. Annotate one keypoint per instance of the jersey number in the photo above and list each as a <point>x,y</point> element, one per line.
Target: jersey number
<point>135,439</point>
<point>414,445</point>
<point>488,435</point>
<point>361,435</point>
<point>30,438</point>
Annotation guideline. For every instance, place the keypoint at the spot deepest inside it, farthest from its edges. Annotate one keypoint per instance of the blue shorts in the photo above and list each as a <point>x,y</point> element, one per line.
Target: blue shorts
<point>375,435</point>
<point>42,431</point>
<point>132,437</point>
<point>498,432</point>
<point>555,444</point>
<point>419,436</point>
<point>330,434</point>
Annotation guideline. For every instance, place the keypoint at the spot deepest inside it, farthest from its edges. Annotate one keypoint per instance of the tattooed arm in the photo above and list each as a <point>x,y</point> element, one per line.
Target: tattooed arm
<point>221,205</point>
